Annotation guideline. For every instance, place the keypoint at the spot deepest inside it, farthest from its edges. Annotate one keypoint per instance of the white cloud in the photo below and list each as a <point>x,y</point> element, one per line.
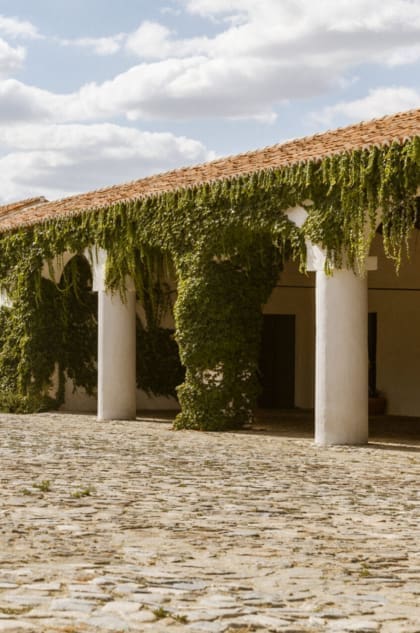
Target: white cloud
<point>154,41</point>
<point>404,55</point>
<point>347,14</point>
<point>172,89</point>
<point>378,102</point>
<point>337,33</point>
<point>263,54</point>
<point>60,160</point>
<point>14,27</point>
<point>214,8</point>
<point>149,40</point>
<point>98,45</point>
<point>11,59</point>
<point>267,53</point>
<point>19,102</point>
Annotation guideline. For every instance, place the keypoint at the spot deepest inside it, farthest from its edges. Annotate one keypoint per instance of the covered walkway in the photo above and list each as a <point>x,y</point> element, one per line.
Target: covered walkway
<point>300,423</point>
<point>209,245</point>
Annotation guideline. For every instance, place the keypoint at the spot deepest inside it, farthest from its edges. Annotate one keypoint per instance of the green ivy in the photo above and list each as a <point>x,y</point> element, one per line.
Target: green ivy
<point>51,330</point>
<point>220,345</point>
<point>226,241</point>
<point>78,323</point>
<point>159,368</point>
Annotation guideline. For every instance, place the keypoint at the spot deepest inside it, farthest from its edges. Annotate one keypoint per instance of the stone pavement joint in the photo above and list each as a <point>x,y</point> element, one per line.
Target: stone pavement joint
<point>130,526</point>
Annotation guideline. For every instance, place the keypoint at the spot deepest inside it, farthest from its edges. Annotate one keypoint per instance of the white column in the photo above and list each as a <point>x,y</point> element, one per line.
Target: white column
<point>116,346</point>
<point>116,356</point>
<point>341,366</point>
<point>341,374</point>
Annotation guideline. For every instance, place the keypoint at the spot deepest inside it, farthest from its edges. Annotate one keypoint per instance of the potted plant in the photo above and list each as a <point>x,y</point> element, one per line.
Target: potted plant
<point>377,402</point>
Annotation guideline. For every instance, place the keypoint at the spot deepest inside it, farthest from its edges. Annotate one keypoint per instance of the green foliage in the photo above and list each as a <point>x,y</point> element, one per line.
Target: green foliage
<point>43,486</point>
<point>83,492</point>
<point>218,319</point>
<point>353,191</point>
<point>49,328</point>
<point>160,613</point>
<point>226,241</point>
<point>158,366</point>
<point>76,350</point>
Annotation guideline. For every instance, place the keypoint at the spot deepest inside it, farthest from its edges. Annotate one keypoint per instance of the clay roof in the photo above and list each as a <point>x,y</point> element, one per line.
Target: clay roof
<point>14,207</point>
<point>378,132</point>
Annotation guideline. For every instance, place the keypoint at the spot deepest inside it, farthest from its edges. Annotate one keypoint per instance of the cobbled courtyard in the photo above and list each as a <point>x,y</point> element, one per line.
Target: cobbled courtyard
<point>130,526</point>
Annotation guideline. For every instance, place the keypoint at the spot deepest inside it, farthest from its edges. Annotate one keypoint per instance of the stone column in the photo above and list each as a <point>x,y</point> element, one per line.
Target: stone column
<point>341,369</point>
<point>341,348</point>
<point>116,348</point>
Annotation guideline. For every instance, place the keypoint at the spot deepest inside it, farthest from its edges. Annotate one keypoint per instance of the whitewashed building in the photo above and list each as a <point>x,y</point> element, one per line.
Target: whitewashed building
<point>328,338</point>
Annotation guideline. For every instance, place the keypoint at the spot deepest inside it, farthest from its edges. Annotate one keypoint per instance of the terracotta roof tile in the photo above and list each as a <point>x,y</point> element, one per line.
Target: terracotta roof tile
<point>379,132</point>
<point>15,207</point>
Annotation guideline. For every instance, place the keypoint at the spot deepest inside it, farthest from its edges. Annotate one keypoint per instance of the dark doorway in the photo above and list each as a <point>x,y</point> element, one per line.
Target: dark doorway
<point>277,362</point>
<point>372,336</point>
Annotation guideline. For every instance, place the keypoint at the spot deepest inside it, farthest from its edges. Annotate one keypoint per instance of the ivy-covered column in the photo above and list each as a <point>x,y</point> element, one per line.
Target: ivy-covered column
<point>218,319</point>
<point>116,348</point>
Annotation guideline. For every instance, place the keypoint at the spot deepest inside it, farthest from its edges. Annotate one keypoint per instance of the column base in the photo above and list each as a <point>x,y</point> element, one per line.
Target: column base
<point>108,417</point>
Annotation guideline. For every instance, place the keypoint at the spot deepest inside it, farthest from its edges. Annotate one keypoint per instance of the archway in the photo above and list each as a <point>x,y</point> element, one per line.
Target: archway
<point>77,364</point>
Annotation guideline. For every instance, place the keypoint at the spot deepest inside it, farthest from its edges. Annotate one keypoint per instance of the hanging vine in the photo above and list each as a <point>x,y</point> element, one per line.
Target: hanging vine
<point>159,368</point>
<point>226,241</point>
<point>220,344</point>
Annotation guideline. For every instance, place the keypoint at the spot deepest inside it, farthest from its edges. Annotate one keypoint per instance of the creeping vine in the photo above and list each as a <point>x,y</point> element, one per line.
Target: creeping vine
<point>224,242</point>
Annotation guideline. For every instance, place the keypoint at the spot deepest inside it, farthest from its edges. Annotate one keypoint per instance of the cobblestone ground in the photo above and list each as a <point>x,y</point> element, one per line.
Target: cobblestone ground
<point>130,526</point>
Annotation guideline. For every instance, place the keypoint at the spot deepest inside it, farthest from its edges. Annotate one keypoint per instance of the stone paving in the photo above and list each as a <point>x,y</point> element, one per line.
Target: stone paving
<point>130,526</point>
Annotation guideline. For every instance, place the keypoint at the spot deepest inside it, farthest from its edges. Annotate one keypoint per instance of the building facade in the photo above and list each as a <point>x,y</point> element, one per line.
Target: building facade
<point>344,328</point>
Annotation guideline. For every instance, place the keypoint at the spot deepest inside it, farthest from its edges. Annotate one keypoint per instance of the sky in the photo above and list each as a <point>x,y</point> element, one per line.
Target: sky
<point>100,92</point>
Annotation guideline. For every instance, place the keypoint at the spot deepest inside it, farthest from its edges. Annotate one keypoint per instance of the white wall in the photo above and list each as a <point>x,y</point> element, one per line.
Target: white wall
<point>78,401</point>
<point>396,300</point>
<point>295,294</point>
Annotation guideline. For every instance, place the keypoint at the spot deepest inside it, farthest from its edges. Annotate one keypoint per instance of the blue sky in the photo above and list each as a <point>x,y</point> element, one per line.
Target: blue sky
<point>94,93</point>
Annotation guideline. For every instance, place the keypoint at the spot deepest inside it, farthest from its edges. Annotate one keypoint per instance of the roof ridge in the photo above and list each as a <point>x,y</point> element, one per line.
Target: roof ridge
<point>376,132</point>
<point>23,203</point>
